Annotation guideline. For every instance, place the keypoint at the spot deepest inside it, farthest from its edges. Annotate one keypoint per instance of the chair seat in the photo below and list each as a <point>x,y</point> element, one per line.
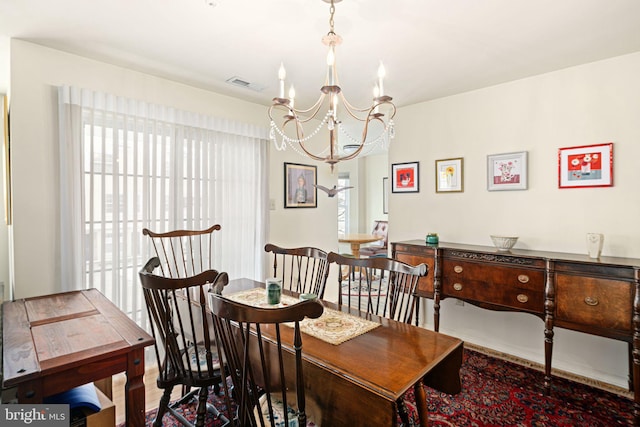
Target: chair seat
<point>370,251</point>
<point>201,359</point>
<point>312,411</point>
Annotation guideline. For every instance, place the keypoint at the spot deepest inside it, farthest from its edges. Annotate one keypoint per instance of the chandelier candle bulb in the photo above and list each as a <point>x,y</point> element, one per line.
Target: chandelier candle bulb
<point>292,95</point>
<point>331,58</point>
<point>282,73</point>
<point>381,73</point>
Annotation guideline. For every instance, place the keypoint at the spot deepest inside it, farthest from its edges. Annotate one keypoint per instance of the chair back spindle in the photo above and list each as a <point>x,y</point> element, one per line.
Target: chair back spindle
<point>183,253</point>
<point>303,270</point>
<point>382,286</point>
<point>264,360</point>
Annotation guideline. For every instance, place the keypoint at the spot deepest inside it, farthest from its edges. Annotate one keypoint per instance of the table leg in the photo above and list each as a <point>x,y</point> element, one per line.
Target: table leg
<point>421,404</point>
<point>355,250</point>
<point>134,389</point>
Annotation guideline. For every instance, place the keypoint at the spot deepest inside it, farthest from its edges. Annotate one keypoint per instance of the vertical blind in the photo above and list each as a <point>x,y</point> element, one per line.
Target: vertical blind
<point>126,165</point>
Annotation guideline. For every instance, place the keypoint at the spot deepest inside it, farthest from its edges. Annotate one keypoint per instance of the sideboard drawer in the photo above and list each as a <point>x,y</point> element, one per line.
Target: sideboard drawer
<point>597,302</point>
<point>503,286</point>
<point>425,284</point>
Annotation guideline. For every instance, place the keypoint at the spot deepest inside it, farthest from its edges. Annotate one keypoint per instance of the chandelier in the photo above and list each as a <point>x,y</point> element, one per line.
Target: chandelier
<point>332,98</point>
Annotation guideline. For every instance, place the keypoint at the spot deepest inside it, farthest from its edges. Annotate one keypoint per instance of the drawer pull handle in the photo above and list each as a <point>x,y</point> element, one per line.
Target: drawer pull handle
<point>457,286</point>
<point>591,301</point>
<point>523,278</point>
<point>457,269</point>
<point>522,298</point>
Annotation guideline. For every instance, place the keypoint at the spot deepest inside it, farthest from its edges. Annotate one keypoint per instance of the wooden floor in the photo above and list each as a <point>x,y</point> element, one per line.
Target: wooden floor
<point>152,392</point>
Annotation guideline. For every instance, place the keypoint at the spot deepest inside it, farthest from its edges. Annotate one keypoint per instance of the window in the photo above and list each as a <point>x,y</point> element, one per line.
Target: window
<point>163,170</point>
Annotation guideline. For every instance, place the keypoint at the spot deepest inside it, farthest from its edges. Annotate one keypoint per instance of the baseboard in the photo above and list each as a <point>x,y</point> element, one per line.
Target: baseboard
<point>555,372</point>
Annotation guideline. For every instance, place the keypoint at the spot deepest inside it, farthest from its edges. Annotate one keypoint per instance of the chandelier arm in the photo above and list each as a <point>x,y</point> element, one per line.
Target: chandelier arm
<point>353,115</point>
<point>275,106</point>
<point>315,108</point>
<point>350,107</point>
<point>366,143</point>
<point>393,109</point>
<point>310,154</point>
<point>361,146</point>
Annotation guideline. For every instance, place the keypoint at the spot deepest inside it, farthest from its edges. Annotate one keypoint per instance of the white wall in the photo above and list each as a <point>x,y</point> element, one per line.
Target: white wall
<point>36,71</point>
<point>377,167</point>
<point>589,104</point>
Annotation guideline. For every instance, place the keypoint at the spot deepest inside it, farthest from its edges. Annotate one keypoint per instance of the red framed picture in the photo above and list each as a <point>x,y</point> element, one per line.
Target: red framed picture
<point>405,177</point>
<point>586,166</point>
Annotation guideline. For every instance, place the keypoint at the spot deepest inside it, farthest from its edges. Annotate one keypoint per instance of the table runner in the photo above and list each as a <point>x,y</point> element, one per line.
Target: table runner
<point>333,326</point>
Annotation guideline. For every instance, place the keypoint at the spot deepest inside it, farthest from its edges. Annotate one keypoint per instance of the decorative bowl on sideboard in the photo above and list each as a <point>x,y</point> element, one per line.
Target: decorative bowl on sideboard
<point>504,243</point>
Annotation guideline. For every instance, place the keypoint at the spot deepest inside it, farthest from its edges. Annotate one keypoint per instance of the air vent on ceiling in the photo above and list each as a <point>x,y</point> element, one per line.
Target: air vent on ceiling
<point>238,81</point>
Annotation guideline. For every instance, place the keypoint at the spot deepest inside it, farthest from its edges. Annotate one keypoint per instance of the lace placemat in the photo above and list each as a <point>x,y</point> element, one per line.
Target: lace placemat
<point>334,327</point>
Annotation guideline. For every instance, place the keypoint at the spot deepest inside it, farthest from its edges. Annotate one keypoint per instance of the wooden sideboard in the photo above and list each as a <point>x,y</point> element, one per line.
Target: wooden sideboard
<point>572,291</point>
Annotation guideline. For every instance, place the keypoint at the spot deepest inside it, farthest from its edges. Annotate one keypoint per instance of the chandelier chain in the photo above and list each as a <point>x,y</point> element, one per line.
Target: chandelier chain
<point>332,11</point>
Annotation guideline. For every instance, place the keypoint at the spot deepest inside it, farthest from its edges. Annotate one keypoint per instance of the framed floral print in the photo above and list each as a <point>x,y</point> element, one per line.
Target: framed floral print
<point>507,171</point>
<point>405,177</point>
<point>449,175</point>
<point>300,186</point>
<point>586,166</point>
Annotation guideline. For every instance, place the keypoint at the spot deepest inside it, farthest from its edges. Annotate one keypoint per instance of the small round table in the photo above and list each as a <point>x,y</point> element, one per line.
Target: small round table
<point>358,239</point>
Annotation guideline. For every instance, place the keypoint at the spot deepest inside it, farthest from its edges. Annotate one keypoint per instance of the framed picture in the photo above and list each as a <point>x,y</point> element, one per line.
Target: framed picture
<point>385,195</point>
<point>299,186</point>
<point>449,175</point>
<point>405,177</point>
<point>507,171</point>
<point>586,166</point>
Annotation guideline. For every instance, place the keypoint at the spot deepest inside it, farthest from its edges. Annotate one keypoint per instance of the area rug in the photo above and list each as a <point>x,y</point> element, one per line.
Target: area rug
<point>496,392</point>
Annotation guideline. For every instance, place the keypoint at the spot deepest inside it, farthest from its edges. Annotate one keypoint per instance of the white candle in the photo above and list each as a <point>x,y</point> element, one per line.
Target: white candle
<point>334,103</point>
<point>381,74</point>
<point>292,95</point>
<point>281,75</point>
<point>331,58</point>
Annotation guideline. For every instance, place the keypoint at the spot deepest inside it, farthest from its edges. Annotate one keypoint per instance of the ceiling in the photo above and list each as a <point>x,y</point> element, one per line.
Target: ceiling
<point>430,48</point>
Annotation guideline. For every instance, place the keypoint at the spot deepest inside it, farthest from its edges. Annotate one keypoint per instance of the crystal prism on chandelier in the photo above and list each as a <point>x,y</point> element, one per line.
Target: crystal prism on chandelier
<point>378,116</point>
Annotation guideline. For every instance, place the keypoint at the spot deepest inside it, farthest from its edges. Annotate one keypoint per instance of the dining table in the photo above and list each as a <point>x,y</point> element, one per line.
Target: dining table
<point>358,366</point>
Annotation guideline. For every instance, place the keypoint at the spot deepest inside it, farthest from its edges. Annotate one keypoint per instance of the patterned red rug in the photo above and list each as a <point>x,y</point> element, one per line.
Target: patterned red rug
<point>500,393</point>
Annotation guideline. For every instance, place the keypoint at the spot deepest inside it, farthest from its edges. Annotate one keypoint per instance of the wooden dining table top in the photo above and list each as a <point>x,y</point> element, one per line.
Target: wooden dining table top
<point>385,361</point>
